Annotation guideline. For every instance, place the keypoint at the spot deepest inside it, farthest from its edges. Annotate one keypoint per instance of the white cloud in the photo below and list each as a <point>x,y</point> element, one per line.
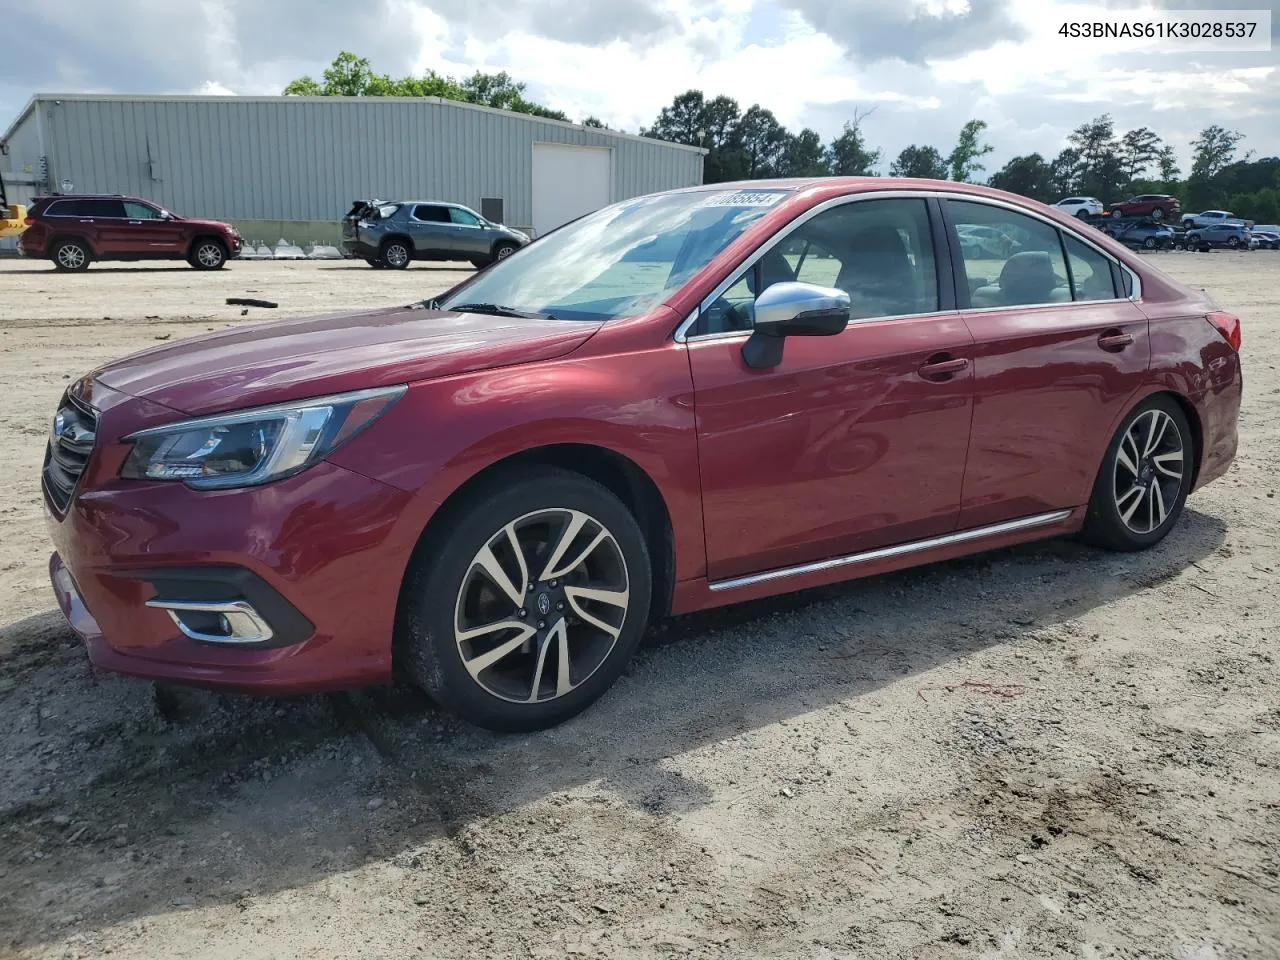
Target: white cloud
<point>927,66</point>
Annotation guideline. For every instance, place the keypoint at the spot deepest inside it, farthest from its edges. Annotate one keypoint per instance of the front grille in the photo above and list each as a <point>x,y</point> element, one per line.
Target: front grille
<point>70,443</point>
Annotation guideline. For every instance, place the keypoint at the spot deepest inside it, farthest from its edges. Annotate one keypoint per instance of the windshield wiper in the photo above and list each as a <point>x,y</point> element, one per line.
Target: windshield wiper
<point>498,310</point>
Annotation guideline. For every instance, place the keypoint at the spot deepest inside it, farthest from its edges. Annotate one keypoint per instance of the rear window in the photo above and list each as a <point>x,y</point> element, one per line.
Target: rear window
<point>431,214</point>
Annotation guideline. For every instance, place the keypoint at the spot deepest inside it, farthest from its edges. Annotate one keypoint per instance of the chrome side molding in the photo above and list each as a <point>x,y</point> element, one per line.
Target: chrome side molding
<point>884,553</point>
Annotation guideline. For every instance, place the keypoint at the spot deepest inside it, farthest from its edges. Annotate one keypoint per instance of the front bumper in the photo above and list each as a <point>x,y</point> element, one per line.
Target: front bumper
<point>318,558</point>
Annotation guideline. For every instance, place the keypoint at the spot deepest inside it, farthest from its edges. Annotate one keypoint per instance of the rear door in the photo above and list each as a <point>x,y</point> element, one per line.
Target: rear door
<point>432,230</point>
<point>1059,352</point>
<point>102,221</point>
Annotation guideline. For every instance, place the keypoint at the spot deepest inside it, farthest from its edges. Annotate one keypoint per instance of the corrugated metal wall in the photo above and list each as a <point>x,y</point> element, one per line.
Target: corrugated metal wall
<point>307,159</point>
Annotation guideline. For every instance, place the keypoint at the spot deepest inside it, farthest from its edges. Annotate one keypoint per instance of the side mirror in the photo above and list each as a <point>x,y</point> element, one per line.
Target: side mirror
<point>793,310</point>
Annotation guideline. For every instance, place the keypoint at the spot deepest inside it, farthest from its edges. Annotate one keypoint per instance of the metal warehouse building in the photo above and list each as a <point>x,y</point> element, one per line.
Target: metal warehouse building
<point>291,166</point>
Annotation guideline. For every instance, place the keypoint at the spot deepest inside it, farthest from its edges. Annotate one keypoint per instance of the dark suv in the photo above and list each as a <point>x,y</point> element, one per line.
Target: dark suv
<point>73,231</point>
<point>1158,206</point>
<point>390,234</point>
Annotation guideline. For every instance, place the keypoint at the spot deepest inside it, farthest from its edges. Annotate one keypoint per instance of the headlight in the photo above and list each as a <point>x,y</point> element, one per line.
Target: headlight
<point>253,446</point>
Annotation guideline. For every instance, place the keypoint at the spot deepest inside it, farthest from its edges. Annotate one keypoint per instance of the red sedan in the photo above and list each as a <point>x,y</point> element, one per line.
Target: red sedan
<point>683,400</point>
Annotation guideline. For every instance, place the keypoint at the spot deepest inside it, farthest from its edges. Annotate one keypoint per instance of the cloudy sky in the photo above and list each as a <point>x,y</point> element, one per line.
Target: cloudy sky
<point>923,66</point>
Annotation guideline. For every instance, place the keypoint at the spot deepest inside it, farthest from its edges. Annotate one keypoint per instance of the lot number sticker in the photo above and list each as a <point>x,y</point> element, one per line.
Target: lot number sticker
<point>745,198</point>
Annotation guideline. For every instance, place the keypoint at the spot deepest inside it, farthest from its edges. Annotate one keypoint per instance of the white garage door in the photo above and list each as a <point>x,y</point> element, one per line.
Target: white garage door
<point>568,182</point>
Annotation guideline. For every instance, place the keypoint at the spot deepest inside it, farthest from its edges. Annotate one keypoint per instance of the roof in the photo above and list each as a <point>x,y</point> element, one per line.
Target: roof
<point>440,101</point>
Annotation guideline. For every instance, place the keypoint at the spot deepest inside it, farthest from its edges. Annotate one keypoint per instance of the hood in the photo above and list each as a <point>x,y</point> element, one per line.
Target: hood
<point>208,224</point>
<point>313,356</point>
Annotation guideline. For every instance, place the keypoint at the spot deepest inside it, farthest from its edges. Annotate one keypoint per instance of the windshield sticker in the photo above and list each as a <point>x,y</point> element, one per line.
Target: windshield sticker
<point>745,198</point>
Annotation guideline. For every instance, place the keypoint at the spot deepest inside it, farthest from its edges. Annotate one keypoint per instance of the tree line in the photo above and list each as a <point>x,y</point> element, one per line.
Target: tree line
<point>1098,161</point>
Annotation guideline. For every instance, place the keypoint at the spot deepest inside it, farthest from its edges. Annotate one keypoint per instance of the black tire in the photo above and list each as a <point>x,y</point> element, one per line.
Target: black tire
<point>374,262</point>
<point>1082,214</point>
<point>396,254</point>
<point>443,578</point>
<point>1150,243</point>
<point>71,256</point>
<point>1232,242</point>
<point>480,263</point>
<point>1105,525</point>
<point>1157,214</point>
<point>208,254</point>
<point>1117,214</point>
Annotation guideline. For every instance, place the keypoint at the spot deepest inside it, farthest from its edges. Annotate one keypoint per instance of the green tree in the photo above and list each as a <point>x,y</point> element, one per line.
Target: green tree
<point>693,120</point>
<point>1029,176</point>
<point>805,156</point>
<point>1100,170</point>
<point>925,162</point>
<point>848,155</point>
<point>1168,163</point>
<point>1212,151</point>
<point>594,121</point>
<point>1139,149</point>
<point>352,76</point>
<point>762,141</point>
<point>1065,172</point>
<point>963,159</point>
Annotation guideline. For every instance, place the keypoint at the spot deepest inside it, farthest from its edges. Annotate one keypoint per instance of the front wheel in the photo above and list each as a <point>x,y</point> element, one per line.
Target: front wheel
<point>1157,214</point>
<point>1232,242</point>
<point>527,605</point>
<point>1144,479</point>
<point>1150,243</point>
<point>208,255</point>
<point>1117,214</point>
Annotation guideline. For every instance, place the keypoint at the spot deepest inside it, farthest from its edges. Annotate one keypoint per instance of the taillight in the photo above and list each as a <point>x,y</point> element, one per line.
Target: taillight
<point>1227,324</point>
<point>29,221</point>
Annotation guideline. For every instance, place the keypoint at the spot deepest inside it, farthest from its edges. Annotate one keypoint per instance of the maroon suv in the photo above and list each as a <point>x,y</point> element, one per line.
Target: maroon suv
<point>1158,206</point>
<point>73,231</point>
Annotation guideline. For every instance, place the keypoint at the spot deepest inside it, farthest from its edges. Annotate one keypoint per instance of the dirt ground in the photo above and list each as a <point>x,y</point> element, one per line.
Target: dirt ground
<point>1042,752</point>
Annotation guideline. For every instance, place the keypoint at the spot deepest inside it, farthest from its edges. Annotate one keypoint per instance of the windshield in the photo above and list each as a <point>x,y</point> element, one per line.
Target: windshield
<point>619,261</point>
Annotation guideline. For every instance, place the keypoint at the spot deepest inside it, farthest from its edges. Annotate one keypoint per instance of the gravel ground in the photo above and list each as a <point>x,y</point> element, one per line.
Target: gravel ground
<point>1042,752</point>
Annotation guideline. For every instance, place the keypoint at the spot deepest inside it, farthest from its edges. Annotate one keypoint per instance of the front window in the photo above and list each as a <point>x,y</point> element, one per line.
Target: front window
<point>620,261</point>
<point>140,211</point>
<point>463,217</point>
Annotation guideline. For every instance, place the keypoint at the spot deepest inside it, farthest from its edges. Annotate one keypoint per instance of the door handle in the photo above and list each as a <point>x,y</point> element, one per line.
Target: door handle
<point>86,221</point>
<point>1115,340</point>
<point>135,223</point>
<point>943,367</point>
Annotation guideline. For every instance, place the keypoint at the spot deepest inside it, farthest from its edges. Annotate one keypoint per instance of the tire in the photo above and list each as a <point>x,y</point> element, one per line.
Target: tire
<point>1150,243</point>
<point>1130,467</point>
<point>447,592</point>
<point>1082,214</point>
<point>71,256</point>
<point>1157,214</point>
<point>396,254</point>
<point>208,255</point>
<point>374,262</point>
<point>1233,243</point>
<point>480,263</point>
<point>1116,214</point>
<point>503,250</point>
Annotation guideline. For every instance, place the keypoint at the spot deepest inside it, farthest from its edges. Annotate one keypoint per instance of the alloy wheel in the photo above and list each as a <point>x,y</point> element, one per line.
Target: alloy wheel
<point>504,252</point>
<point>1148,471</point>
<point>209,254</point>
<point>71,256</point>
<point>396,256</point>
<point>541,605</point>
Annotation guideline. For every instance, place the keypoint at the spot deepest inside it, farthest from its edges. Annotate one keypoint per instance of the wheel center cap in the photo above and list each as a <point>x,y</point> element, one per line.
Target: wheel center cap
<point>544,604</point>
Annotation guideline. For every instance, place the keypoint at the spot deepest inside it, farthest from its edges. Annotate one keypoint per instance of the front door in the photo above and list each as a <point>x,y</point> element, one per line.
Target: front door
<point>137,230</point>
<point>470,237</point>
<point>852,442</point>
<point>1059,352</point>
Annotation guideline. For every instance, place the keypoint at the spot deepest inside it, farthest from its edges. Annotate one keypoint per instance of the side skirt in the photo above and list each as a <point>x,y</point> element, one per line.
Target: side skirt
<point>701,594</point>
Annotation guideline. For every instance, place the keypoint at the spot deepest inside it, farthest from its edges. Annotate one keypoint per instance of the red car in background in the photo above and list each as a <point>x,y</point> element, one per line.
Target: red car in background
<point>75,231</point>
<point>1158,206</point>
<point>680,401</point>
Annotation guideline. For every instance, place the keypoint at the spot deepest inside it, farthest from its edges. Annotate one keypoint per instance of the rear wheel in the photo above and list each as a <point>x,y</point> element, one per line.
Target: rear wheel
<point>208,255</point>
<point>396,254</point>
<point>1144,479</point>
<point>1233,242</point>
<point>71,255</point>
<point>527,606</point>
<point>1150,243</point>
<point>1117,214</point>
<point>1082,214</point>
<point>1157,214</point>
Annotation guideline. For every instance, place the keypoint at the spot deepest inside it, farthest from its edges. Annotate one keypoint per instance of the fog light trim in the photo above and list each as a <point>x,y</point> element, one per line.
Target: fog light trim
<point>244,625</point>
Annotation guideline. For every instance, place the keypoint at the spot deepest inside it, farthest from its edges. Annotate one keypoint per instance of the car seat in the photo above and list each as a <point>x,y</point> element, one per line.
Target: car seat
<point>1026,278</point>
<point>877,273</point>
